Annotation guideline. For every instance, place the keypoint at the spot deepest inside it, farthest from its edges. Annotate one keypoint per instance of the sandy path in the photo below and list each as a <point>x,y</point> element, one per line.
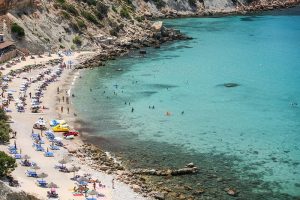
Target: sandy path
<point>23,125</point>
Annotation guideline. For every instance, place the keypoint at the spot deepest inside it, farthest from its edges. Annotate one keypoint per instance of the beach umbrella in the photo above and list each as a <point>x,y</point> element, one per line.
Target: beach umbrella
<point>43,175</point>
<point>35,167</point>
<point>74,169</point>
<point>58,139</point>
<point>83,181</point>
<point>52,185</point>
<point>93,193</point>
<point>63,162</point>
<point>26,157</point>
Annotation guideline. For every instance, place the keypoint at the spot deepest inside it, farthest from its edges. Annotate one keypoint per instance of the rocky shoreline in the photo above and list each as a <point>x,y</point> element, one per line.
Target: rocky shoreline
<point>100,160</point>
<point>241,9</point>
<point>158,36</point>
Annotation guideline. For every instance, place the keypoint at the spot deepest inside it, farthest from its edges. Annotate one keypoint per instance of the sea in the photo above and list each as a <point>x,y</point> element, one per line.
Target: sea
<point>228,101</point>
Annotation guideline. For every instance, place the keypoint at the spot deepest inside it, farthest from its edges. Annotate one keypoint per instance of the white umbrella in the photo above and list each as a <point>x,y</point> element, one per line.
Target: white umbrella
<point>58,139</point>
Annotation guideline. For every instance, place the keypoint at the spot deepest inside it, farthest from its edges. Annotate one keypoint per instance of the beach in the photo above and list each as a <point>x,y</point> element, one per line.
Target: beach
<point>22,123</point>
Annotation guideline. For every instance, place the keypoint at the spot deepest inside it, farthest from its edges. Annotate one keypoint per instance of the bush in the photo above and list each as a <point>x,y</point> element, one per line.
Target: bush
<point>89,16</point>
<point>159,3</point>
<point>80,23</point>
<point>125,13</point>
<point>65,15</point>
<point>77,40</point>
<point>18,30</point>
<point>7,164</point>
<point>3,115</point>
<point>114,9</point>
<point>70,8</point>
<point>192,3</point>
<point>60,1</point>
<point>4,131</point>
<point>102,10</point>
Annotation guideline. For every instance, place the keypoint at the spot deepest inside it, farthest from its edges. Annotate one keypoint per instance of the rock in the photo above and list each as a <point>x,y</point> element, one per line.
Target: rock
<point>229,85</point>
<point>199,191</point>
<point>232,192</point>
<point>143,52</point>
<point>136,188</point>
<point>158,195</point>
<point>190,165</point>
<point>157,26</point>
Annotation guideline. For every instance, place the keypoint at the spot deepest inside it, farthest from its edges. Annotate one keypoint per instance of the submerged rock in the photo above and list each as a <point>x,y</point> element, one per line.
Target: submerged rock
<point>231,84</point>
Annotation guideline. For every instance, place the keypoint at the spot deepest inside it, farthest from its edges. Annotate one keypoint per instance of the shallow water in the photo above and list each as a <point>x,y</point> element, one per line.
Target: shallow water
<point>252,129</point>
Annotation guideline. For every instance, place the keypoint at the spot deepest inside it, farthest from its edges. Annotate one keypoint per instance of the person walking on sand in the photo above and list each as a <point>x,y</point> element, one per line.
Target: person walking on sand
<point>63,98</point>
<point>57,90</point>
<point>94,185</point>
<point>68,110</point>
<point>62,109</point>
<point>30,95</point>
<point>67,100</point>
<point>113,183</point>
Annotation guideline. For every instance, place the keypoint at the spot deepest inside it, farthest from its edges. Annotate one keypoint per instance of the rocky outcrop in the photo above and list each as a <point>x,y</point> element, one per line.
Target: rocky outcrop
<point>8,194</point>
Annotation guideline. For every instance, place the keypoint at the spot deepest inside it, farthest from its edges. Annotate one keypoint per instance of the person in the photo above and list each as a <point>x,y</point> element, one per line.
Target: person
<point>132,109</point>
<point>152,107</point>
<point>30,95</point>
<point>68,110</point>
<point>58,100</point>
<point>113,183</point>
<point>62,109</point>
<point>94,185</point>
<point>57,90</point>
<point>67,100</point>
<point>182,112</point>
<point>63,98</point>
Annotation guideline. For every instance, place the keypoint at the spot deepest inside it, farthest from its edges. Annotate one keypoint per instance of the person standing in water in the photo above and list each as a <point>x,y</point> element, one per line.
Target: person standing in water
<point>132,109</point>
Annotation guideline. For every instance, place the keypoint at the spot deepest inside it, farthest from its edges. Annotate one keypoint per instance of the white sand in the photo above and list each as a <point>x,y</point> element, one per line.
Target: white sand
<point>23,123</point>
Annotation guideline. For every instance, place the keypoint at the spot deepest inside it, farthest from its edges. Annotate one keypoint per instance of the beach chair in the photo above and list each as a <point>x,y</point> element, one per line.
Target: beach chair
<point>41,183</point>
<point>12,147</point>
<point>49,154</point>
<point>91,198</point>
<point>38,147</point>
<point>31,174</point>
<point>26,163</point>
<point>18,156</point>
<point>13,151</point>
<point>54,147</point>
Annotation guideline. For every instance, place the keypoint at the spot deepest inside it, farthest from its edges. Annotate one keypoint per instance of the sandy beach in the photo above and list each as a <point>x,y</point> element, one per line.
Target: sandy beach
<point>22,123</point>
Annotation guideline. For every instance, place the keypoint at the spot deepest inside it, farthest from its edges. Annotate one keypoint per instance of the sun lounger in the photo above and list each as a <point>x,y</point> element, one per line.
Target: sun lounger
<point>49,154</point>
<point>13,152</point>
<point>31,173</point>
<point>41,183</point>
<point>12,148</point>
<point>26,163</point>
<point>18,156</point>
<point>91,198</point>
<point>54,147</point>
<point>39,148</point>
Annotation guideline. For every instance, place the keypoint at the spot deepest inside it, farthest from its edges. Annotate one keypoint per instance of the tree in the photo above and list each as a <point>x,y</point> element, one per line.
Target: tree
<point>7,164</point>
<point>4,131</point>
<point>18,30</point>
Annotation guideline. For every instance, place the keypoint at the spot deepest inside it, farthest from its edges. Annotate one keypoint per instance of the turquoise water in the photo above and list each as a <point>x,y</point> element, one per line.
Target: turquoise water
<point>254,127</point>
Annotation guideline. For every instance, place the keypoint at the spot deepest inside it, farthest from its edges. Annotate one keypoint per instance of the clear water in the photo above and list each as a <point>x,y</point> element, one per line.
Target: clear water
<point>257,121</point>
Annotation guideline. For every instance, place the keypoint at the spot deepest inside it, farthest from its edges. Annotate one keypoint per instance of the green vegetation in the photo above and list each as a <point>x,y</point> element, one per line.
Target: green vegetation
<point>102,10</point>
<point>89,17</point>
<point>80,23</point>
<point>159,3</point>
<point>70,8</point>
<point>4,127</point>
<point>18,30</point>
<point>140,19</point>
<point>60,1</point>
<point>65,15</point>
<point>77,40</point>
<point>125,13</point>
<point>114,9</point>
<point>7,164</point>
<point>192,3</point>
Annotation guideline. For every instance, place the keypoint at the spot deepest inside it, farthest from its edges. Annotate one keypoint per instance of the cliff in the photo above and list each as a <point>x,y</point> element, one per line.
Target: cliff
<point>92,24</point>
